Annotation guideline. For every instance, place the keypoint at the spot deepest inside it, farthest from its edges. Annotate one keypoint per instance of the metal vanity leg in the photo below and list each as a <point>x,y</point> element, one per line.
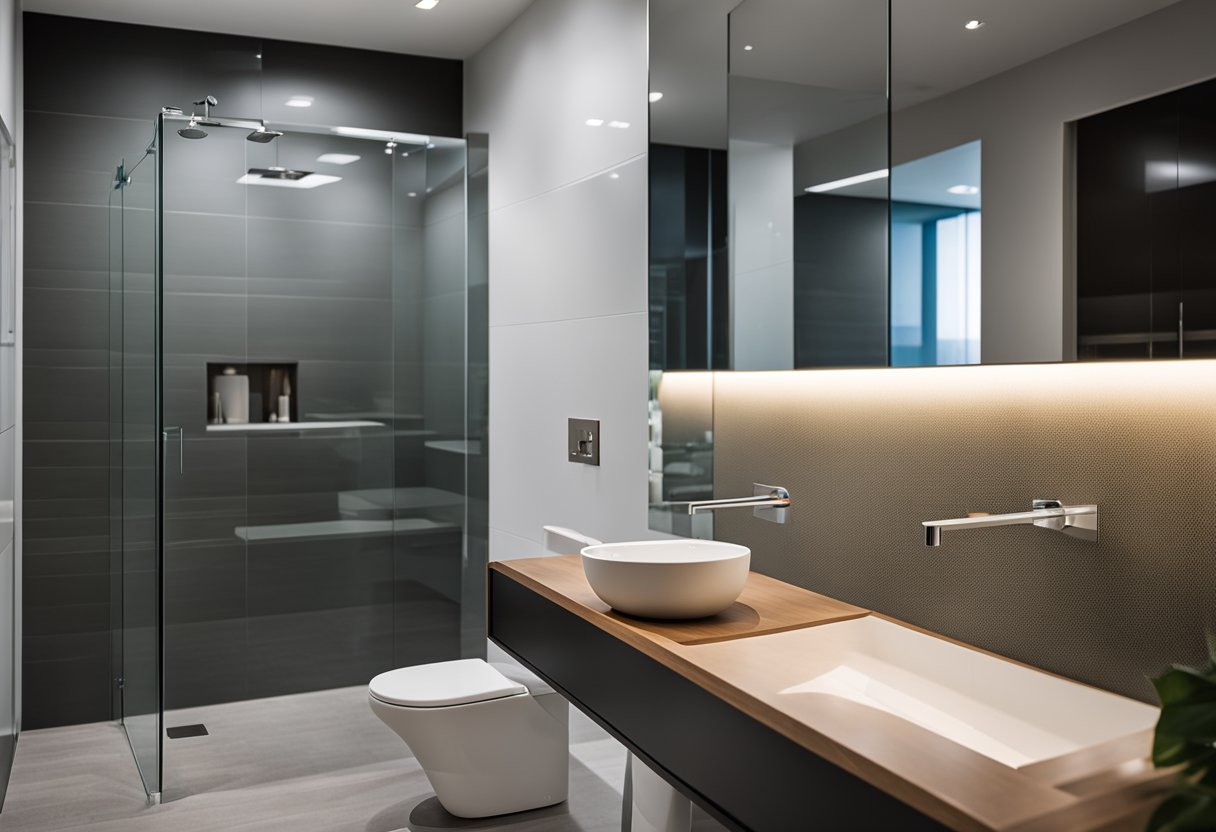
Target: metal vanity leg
<point>650,804</point>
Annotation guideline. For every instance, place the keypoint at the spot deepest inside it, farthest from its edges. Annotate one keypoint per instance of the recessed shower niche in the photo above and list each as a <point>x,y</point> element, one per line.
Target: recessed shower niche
<point>257,392</point>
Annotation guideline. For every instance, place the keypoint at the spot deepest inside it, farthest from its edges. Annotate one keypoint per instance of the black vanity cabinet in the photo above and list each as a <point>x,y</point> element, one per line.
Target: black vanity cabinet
<point>1146,227</point>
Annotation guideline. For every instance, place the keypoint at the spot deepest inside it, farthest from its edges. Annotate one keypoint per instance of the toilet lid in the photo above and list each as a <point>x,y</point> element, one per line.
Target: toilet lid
<point>438,685</point>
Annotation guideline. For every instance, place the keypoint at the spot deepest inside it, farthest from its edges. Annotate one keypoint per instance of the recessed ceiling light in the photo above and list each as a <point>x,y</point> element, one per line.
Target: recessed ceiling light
<point>258,56</point>
<point>619,125</point>
<point>595,122</point>
<point>338,158</point>
<point>835,184</point>
<point>973,24</point>
<point>413,193</point>
<point>426,4</point>
<point>614,175</point>
<point>963,190</point>
<point>299,101</point>
<point>277,178</point>
<point>748,48</point>
<point>656,96</point>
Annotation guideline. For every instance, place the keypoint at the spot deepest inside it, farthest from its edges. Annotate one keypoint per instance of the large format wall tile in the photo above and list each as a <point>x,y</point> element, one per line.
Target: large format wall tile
<point>593,369</point>
<point>575,252</point>
<point>330,278</point>
<point>534,87</point>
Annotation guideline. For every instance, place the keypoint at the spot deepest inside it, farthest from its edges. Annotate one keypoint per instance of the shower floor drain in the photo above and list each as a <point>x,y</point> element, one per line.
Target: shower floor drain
<point>179,732</point>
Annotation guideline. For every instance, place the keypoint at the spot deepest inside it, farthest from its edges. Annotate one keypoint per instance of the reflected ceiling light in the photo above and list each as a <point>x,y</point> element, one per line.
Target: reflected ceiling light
<point>426,4</point>
<point>382,135</point>
<point>595,122</point>
<point>283,178</point>
<point>748,48</point>
<point>258,56</point>
<point>412,193</point>
<point>973,24</point>
<point>619,125</point>
<point>614,175</point>
<point>847,181</point>
<point>299,101</point>
<point>338,158</point>
<point>656,96</point>
<point>963,190</point>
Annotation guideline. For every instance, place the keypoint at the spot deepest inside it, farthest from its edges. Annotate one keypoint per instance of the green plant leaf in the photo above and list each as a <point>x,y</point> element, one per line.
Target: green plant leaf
<point>1184,684</point>
<point>1196,721</point>
<point>1170,751</point>
<point>1184,811</point>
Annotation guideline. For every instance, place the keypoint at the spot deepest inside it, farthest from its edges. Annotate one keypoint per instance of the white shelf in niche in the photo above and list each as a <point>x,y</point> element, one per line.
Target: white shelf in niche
<point>468,447</point>
<point>288,427</point>
<point>332,529</point>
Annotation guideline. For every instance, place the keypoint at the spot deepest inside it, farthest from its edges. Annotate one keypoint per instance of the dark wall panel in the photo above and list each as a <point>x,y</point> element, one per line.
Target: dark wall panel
<point>92,92</point>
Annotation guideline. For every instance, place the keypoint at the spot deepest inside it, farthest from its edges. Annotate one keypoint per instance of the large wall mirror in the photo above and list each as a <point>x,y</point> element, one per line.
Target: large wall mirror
<point>894,183</point>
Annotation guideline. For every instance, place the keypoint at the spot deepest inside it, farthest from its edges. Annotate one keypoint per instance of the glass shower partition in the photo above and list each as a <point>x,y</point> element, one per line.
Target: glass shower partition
<point>297,422</point>
<point>298,416</point>
<point>135,453</point>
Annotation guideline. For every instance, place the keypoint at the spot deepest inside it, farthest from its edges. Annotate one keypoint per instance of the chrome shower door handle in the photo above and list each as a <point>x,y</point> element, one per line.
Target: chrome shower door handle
<point>181,442</point>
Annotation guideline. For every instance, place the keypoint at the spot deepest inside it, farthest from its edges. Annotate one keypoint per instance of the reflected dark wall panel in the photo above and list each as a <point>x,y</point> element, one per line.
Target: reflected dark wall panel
<point>840,281</point>
<point>689,284</point>
<point>1146,198</point>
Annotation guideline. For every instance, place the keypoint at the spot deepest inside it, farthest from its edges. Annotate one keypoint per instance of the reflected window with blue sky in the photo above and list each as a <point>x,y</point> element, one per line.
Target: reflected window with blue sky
<point>935,259</point>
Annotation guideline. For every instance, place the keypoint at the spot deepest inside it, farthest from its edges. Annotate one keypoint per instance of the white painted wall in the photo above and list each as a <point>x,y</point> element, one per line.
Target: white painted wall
<point>1021,116</point>
<point>762,256</point>
<point>8,63</point>
<point>568,267</point>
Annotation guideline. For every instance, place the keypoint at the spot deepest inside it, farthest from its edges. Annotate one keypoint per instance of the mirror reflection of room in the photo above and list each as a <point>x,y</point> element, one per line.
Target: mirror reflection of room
<point>1015,184</point>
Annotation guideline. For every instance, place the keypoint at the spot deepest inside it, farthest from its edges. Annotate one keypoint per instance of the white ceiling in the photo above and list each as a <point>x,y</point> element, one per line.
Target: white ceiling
<point>932,54</point>
<point>841,45</point>
<point>454,29</point>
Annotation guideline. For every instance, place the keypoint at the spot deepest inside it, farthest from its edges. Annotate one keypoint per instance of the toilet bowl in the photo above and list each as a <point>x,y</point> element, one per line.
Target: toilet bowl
<point>491,739</point>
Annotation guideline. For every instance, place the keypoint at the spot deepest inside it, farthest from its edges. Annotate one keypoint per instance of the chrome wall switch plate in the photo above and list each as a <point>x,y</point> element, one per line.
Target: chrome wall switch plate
<point>583,441</point>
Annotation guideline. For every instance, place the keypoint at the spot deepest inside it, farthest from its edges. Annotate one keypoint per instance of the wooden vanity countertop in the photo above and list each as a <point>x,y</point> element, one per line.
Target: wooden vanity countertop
<point>1110,788</point>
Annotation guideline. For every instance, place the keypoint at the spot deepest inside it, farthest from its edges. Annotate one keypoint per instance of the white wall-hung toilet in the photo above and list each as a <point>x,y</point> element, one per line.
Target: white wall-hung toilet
<point>492,739</point>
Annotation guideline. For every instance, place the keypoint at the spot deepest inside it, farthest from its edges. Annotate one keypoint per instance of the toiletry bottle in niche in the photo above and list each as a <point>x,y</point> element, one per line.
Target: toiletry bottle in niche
<point>217,408</point>
<point>285,400</point>
<point>233,390</point>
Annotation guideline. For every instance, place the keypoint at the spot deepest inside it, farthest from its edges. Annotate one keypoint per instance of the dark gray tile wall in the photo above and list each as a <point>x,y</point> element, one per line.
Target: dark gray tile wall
<point>337,282</point>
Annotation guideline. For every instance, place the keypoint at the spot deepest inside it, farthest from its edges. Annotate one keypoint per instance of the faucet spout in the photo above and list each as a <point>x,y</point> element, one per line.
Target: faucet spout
<point>1075,521</point>
<point>769,502</point>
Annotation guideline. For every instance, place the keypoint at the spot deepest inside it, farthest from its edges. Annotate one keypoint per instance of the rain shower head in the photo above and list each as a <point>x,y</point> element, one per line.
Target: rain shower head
<point>192,131</point>
<point>263,136</point>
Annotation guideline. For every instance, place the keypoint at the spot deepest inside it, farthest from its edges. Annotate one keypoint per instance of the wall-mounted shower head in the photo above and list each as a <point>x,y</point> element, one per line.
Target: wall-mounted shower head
<point>192,131</point>
<point>263,136</point>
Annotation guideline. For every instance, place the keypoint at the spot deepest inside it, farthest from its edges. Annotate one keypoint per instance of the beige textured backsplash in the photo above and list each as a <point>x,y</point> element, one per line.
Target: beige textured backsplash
<point>868,454</point>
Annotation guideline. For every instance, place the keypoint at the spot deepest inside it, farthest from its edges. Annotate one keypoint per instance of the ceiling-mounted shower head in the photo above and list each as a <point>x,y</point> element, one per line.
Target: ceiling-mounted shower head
<point>192,131</point>
<point>263,136</point>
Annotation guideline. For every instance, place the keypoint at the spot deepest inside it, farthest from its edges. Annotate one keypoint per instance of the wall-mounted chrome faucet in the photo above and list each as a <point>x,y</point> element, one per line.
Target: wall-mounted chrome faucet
<point>769,502</point>
<point>1075,521</point>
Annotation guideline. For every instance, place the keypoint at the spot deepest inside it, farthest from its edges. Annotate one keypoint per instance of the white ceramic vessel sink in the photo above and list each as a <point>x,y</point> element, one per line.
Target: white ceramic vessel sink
<point>669,579</point>
<point>1010,713</point>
